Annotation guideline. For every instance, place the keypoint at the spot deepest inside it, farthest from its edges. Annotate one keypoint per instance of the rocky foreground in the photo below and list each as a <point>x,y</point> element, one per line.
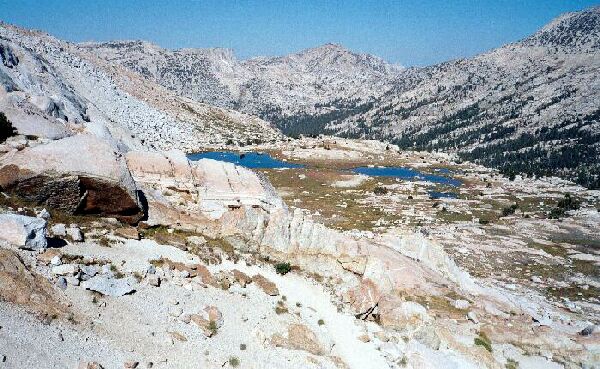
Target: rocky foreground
<point>116,251</point>
<point>142,258</point>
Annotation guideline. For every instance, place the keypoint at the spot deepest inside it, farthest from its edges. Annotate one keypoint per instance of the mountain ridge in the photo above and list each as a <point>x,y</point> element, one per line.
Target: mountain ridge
<point>524,107</point>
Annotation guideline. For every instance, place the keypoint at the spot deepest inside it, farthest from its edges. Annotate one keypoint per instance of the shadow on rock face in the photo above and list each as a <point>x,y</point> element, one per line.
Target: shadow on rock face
<point>143,203</point>
<point>108,198</point>
<point>55,243</point>
<point>82,195</point>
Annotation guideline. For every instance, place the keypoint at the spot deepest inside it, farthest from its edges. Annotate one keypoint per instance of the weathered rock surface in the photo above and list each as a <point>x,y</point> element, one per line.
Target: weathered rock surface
<point>128,233</point>
<point>75,233</point>
<point>110,286</point>
<point>78,174</point>
<point>19,285</point>
<point>209,320</point>
<point>398,314</point>
<point>242,278</point>
<point>298,337</point>
<point>23,231</point>
<point>266,285</point>
<point>59,230</point>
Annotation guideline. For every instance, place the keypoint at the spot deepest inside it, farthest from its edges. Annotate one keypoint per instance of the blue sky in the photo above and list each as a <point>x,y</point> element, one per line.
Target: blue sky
<point>407,32</point>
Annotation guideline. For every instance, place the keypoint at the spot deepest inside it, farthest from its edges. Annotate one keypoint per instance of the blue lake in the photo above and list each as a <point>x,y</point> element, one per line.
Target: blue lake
<point>255,160</point>
<point>442,195</point>
<point>408,174</point>
<point>249,160</point>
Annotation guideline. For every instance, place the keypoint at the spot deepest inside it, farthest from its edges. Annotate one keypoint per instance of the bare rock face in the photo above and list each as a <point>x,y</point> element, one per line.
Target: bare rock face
<point>299,337</point>
<point>23,231</point>
<point>19,285</point>
<point>79,174</point>
<point>398,314</point>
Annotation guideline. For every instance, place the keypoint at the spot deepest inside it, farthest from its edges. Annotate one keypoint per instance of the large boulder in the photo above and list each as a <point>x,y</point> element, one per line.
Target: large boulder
<point>110,286</point>
<point>82,174</point>
<point>23,231</point>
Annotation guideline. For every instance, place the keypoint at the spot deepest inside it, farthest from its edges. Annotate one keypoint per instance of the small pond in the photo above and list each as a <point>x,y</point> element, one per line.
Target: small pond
<point>408,174</point>
<point>442,195</point>
<point>249,159</point>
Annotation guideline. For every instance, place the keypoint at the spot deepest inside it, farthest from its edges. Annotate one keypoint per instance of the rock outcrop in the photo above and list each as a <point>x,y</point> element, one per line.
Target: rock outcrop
<point>80,174</point>
<point>23,231</point>
<point>20,285</point>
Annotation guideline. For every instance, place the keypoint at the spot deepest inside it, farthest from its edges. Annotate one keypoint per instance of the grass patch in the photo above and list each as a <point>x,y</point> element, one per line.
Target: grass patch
<point>483,341</point>
<point>212,326</point>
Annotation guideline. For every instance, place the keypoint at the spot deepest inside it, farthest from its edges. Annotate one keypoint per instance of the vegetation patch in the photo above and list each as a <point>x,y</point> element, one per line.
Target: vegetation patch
<point>283,268</point>
<point>483,341</point>
<point>6,128</point>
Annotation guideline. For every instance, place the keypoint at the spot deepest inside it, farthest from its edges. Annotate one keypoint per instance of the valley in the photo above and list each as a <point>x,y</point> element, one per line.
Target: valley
<point>320,210</point>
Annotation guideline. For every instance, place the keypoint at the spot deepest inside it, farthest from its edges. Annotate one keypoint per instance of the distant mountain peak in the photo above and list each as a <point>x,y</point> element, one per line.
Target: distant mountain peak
<point>575,31</point>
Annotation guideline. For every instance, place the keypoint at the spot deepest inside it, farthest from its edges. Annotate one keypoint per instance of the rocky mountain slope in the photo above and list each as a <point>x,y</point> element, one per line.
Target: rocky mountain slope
<point>529,107</point>
<point>52,89</point>
<point>284,90</point>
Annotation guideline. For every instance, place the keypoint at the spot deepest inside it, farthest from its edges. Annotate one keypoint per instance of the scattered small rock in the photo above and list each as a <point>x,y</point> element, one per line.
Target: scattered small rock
<point>75,233</point>
<point>299,337</point>
<point>208,319</point>
<point>131,364</point>
<point>242,278</point>
<point>196,241</point>
<point>587,331</point>
<point>472,317</point>
<point>175,311</point>
<point>461,304</point>
<point>47,256</point>
<point>382,336</point>
<point>73,281</point>
<point>266,285</point>
<point>536,279</point>
<point>364,338</point>
<point>59,230</point>
<point>44,214</point>
<point>154,280</point>
<point>88,271</point>
<point>178,336</point>
<point>61,283</point>
<point>89,365</point>
<point>65,269</point>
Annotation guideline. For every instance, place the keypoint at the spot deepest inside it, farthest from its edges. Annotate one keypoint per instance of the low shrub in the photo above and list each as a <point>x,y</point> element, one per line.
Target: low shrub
<point>6,128</point>
<point>283,268</point>
<point>380,190</point>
